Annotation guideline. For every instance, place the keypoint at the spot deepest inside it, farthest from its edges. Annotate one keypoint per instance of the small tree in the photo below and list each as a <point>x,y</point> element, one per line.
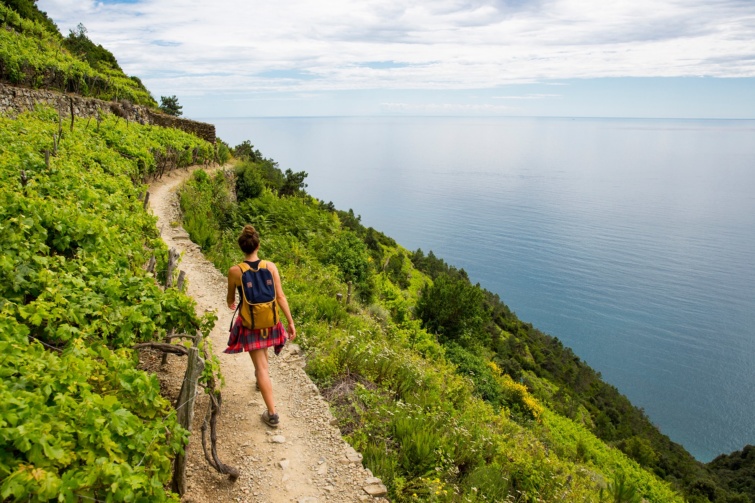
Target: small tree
<point>170,106</point>
<point>293,184</point>
<point>452,308</point>
<point>245,151</point>
<point>248,182</point>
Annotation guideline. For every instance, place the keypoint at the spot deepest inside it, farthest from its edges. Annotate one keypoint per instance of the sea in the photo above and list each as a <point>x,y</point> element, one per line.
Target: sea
<point>631,240</point>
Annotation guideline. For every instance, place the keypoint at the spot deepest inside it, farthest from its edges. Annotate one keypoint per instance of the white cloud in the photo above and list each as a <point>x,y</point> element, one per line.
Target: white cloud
<point>531,96</point>
<point>208,47</point>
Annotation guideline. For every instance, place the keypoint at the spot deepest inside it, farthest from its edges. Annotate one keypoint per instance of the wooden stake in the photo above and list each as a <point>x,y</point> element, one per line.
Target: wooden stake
<point>185,413</point>
<point>73,115</point>
<point>172,261</point>
<point>167,341</point>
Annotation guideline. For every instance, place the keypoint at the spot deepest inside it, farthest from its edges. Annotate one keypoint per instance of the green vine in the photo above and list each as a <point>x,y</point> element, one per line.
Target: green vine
<point>78,419</point>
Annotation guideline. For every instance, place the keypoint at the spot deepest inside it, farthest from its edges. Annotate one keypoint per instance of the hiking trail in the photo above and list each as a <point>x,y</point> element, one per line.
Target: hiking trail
<point>305,460</point>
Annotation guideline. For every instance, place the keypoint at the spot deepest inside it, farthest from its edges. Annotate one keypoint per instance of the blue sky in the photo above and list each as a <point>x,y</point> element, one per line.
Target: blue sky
<point>582,58</point>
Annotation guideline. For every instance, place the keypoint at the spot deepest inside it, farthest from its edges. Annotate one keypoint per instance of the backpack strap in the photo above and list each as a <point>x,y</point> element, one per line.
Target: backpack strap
<point>233,318</point>
<point>244,267</point>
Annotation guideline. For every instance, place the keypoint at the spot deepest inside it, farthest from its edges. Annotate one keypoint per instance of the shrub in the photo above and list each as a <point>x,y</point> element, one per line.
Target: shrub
<point>248,181</point>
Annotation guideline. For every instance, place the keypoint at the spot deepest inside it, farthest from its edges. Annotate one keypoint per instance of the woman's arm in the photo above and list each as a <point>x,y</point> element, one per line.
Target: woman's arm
<point>234,280</point>
<point>280,297</point>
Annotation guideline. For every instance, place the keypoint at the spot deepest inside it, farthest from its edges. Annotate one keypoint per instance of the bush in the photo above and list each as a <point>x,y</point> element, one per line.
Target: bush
<point>349,254</point>
<point>248,181</point>
<point>453,309</point>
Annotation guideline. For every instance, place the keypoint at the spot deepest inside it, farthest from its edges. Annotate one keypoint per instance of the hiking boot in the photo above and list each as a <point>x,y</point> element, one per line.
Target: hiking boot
<point>270,419</point>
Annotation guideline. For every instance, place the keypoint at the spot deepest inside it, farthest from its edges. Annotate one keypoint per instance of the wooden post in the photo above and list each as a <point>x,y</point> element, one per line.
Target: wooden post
<point>73,115</point>
<point>146,200</point>
<point>185,413</point>
<point>348,294</point>
<point>47,159</point>
<point>167,341</point>
<point>181,278</point>
<point>339,297</point>
<point>151,265</point>
<point>172,259</point>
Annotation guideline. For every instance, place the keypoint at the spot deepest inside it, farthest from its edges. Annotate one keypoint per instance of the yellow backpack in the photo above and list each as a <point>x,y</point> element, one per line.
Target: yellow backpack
<point>258,306</point>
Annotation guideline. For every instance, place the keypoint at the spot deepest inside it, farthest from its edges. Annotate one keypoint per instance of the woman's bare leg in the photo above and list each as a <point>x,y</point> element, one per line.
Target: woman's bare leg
<point>259,359</point>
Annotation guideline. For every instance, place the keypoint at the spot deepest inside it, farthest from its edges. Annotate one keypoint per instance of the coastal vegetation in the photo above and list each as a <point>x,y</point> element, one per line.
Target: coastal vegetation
<point>446,392</point>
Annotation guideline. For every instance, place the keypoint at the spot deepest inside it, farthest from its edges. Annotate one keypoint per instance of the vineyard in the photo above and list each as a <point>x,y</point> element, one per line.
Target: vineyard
<point>78,419</point>
<point>33,56</point>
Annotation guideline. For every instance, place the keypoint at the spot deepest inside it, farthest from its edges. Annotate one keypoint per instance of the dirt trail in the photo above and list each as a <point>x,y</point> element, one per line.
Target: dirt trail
<point>305,460</point>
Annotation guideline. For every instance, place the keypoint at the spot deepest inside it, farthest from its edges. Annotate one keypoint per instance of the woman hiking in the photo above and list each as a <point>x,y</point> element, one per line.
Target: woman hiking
<point>246,335</point>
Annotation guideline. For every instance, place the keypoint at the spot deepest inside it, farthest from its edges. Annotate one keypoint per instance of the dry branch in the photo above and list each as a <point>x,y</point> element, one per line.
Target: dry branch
<point>163,346</point>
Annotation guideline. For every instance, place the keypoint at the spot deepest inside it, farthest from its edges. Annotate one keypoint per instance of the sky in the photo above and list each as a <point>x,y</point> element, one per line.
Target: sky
<point>563,58</point>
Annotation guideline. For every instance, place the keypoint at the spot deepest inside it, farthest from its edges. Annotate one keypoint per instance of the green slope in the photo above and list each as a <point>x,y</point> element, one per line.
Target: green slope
<point>78,420</point>
<point>34,54</point>
<point>436,417</point>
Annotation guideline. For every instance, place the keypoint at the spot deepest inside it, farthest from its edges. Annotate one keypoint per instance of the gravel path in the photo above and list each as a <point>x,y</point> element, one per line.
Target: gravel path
<point>305,460</point>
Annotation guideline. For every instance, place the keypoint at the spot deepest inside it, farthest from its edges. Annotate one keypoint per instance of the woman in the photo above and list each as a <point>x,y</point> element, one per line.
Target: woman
<point>256,341</point>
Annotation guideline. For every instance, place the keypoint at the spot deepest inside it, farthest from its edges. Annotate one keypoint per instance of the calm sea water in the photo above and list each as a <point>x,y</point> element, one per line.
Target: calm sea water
<point>632,241</point>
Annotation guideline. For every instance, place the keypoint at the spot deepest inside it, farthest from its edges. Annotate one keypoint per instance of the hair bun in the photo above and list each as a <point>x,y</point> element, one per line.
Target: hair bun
<point>249,240</point>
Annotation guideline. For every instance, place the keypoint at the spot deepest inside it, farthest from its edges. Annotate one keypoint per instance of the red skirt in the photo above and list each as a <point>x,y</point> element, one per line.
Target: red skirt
<point>247,339</point>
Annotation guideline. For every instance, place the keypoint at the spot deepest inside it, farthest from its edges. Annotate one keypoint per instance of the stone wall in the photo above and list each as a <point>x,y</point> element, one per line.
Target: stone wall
<point>14,100</point>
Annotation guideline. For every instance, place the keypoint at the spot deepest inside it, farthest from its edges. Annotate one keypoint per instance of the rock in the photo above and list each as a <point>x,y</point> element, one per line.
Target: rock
<point>283,464</point>
<point>307,499</point>
<point>373,480</point>
<point>278,439</point>
<point>376,490</point>
<point>353,456</point>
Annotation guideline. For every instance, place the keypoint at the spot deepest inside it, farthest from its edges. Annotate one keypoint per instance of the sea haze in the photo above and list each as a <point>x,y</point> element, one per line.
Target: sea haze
<point>630,240</point>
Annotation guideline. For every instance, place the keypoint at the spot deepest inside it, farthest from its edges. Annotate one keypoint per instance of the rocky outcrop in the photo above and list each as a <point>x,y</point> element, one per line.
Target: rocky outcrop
<point>14,100</point>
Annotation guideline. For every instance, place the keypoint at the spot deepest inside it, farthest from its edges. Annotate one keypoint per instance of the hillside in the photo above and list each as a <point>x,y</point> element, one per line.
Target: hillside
<point>453,359</point>
<point>449,396</point>
<point>34,54</point>
<point>77,418</point>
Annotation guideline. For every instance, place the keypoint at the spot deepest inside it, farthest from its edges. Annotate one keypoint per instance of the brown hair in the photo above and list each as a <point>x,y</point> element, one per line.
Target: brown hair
<point>249,240</point>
